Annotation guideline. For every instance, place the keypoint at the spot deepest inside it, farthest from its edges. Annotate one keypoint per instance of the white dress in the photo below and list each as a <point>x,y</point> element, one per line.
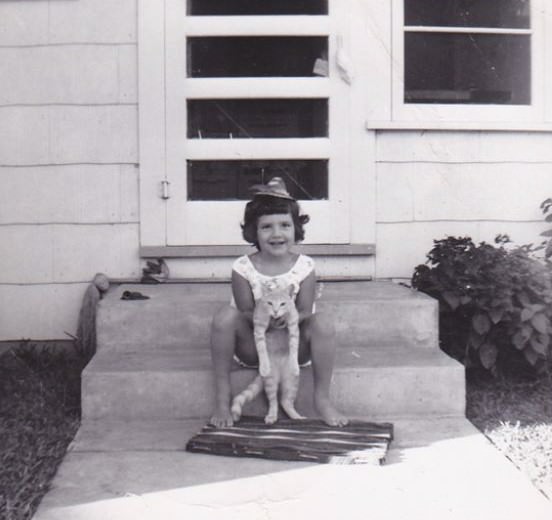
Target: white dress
<point>304,265</point>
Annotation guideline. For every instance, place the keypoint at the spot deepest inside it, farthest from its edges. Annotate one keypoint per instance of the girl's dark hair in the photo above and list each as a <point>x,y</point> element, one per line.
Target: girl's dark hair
<point>267,205</point>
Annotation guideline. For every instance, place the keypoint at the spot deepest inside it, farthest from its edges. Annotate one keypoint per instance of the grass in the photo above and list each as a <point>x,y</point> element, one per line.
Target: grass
<point>517,417</point>
<point>39,416</point>
<point>40,413</point>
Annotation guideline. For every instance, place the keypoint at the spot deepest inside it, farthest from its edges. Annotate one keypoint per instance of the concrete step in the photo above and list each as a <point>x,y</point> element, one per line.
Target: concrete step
<point>173,385</point>
<point>179,315</point>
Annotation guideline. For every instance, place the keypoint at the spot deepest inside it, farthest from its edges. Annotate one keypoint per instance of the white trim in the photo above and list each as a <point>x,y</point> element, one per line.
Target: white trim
<point>176,109</point>
<point>464,30</point>
<point>546,22</point>
<point>235,88</point>
<point>200,149</point>
<point>239,250</point>
<point>255,25</point>
<point>151,119</point>
<point>491,126</point>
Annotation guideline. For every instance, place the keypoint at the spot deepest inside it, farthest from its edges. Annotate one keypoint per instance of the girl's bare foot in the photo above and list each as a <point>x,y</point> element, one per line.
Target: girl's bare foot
<point>221,418</point>
<point>328,412</point>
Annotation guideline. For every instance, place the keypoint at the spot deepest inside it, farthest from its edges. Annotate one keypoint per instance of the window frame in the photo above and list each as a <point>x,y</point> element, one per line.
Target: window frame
<point>459,114</point>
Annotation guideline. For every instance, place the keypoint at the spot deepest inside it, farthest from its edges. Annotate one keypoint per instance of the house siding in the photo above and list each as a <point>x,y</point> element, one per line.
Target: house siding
<point>69,202</point>
<point>433,184</point>
<point>68,158</point>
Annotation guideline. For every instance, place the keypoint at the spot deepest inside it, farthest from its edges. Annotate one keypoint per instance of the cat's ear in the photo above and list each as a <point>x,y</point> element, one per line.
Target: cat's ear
<point>291,289</point>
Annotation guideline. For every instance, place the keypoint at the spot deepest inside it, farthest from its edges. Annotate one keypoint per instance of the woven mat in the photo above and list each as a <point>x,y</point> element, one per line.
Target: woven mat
<point>306,440</point>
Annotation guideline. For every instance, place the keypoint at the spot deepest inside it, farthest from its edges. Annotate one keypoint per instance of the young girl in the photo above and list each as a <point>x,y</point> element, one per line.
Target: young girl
<point>272,223</point>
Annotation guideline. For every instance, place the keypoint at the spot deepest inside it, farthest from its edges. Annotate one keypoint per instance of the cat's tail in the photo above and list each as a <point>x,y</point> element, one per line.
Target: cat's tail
<point>252,391</point>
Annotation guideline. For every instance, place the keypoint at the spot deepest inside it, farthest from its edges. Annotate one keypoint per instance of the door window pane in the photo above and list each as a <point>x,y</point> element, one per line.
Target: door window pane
<point>467,68</point>
<point>257,7</point>
<point>258,56</point>
<point>246,118</point>
<point>512,14</point>
<point>231,180</point>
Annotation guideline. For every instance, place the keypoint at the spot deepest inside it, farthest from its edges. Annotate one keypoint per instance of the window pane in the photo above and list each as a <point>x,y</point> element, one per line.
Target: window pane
<point>256,7</point>
<point>231,180</point>
<point>254,56</point>
<point>468,13</point>
<point>467,68</point>
<point>242,118</point>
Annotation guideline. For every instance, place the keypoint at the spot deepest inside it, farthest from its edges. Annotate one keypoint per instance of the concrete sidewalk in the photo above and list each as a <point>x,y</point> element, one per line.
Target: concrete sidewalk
<point>437,468</point>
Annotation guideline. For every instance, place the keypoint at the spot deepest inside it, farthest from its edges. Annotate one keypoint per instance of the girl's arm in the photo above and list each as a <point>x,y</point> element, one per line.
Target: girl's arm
<point>305,297</point>
<point>243,295</point>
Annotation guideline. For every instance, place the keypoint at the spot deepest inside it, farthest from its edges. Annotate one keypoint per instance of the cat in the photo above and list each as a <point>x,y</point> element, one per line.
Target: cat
<point>278,359</point>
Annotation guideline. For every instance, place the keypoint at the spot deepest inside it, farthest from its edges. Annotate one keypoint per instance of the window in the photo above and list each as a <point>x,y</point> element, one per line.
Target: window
<point>256,7</point>
<point>254,118</point>
<point>467,59</point>
<point>230,180</point>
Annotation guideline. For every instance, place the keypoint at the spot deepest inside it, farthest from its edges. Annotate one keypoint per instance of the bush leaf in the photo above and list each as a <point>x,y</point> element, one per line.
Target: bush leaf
<point>481,323</point>
<point>527,313</point>
<point>540,322</point>
<point>451,299</point>
<point>475,340</point>
<point>465,299</point>
<point>540,344</point>
<point>519,340</point>
<point>496,315</point>
<point>531,356</point>
<point>524,299</point>
<point>487,355</point>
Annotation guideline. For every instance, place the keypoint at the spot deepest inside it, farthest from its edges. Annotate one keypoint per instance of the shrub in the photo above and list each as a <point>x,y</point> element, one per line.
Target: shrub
<point>494,303</point>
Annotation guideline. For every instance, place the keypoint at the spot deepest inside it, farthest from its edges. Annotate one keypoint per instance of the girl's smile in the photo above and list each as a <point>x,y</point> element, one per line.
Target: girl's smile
<point>275,234</point>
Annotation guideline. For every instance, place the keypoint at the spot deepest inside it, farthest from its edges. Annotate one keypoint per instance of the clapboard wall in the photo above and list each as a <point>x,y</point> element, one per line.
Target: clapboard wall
<point>69,202</point>
<point>431,184</point>
<point>68,158</point>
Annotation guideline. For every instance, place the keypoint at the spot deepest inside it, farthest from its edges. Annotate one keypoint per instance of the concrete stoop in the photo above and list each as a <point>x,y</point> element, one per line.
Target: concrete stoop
<point>153,359</point>
<point>149,389</point>
<point>169,385</point>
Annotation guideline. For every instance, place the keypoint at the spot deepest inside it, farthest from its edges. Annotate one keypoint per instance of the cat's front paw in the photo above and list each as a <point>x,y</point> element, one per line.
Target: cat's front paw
<point>236,411</point>
<point>264,369</point>
<point>271,418</point>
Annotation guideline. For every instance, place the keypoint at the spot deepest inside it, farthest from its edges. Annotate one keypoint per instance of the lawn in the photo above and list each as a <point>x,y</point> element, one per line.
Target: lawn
<point>517,417</point>
<point>40,412</point>
<point>39,416</point>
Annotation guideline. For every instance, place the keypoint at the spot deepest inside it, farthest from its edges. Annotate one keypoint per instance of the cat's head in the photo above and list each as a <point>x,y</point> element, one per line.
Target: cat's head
<point>278,301</point>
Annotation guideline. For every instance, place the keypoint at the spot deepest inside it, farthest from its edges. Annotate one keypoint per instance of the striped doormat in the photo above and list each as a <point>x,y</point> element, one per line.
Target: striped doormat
<point>307,440</point>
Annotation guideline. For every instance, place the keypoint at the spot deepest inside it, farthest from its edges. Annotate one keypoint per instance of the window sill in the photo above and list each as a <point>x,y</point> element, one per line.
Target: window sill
<point>525,126</point>
<point>238,250</point>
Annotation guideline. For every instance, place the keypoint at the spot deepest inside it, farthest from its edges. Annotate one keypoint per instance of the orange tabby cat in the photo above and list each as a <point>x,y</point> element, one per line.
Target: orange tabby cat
<point>278,359</point>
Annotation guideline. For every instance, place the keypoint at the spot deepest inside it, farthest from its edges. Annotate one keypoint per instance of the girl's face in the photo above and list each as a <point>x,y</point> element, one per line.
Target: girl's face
<point>275,234</point>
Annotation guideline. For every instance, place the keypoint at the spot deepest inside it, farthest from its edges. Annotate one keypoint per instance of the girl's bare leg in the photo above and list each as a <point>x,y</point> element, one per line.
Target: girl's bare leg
<point>320,336</point>
<point>229,332</point>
